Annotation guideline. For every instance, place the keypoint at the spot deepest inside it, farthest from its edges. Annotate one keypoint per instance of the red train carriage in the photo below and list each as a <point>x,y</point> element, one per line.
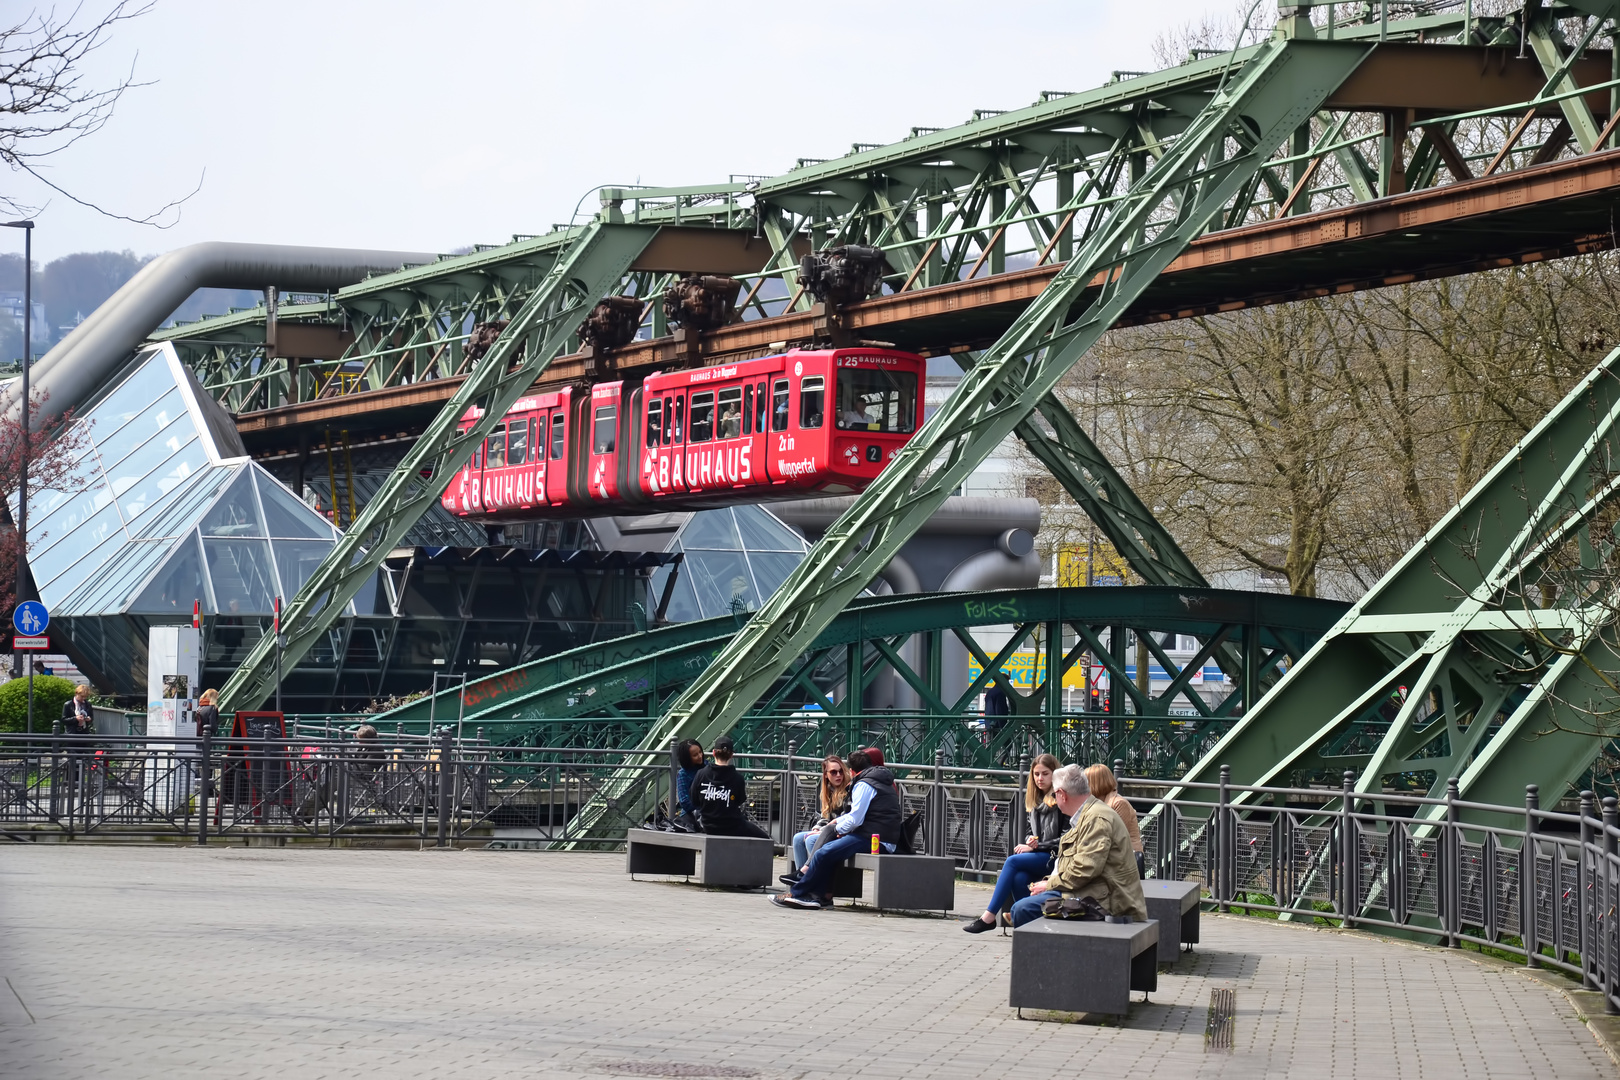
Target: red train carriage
<point>802,423</point>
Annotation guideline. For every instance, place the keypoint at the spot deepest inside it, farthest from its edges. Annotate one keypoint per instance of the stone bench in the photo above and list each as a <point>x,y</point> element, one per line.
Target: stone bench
<point>900,882</point>
<point>1175,905</point>
<point>726,860</point>
<point>1068,965</point>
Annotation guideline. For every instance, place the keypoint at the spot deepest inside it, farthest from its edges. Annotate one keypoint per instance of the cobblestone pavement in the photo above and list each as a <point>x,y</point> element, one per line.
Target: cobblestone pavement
<point>142,962</point>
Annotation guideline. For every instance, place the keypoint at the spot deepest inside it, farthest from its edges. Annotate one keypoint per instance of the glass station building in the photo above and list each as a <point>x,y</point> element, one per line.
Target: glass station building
<point>167,513</point>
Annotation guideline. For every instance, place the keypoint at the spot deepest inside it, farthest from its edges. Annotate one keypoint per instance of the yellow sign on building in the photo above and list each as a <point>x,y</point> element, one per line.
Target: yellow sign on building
<point>1108,569</point>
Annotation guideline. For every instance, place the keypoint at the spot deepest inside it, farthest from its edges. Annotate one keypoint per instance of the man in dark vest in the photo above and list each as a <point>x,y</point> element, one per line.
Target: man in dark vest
<point>874,811</point>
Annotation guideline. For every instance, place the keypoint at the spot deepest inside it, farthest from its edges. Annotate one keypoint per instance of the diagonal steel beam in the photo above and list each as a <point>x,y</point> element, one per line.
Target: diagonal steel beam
<point>1458,598</point>
<point>1177,196</point>
<point>597,259</point>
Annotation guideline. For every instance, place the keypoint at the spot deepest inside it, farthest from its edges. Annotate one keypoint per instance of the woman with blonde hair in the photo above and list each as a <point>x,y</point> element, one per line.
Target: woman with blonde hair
<point>207,714</point>
<point>1103,786</point>
<point>834,799</point>
<point>1032,860</point>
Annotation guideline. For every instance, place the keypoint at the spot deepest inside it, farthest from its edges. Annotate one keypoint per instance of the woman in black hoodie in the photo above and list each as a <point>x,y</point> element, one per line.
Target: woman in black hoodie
<point>720,795</point>
<point>1032,860</point>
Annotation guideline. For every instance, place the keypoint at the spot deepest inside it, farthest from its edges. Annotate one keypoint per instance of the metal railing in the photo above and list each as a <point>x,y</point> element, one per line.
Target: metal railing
<point>1524,881</point>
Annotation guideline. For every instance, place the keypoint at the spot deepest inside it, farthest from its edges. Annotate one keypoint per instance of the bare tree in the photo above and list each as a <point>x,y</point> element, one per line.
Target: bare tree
<point>47,104</point>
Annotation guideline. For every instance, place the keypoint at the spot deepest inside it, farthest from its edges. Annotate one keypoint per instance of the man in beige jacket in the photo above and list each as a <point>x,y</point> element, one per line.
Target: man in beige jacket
<point>1094,857</point>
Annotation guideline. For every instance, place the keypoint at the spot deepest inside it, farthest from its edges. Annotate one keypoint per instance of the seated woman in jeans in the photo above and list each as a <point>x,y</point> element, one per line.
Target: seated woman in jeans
<point>1031,860</point>
<point>834,795</point>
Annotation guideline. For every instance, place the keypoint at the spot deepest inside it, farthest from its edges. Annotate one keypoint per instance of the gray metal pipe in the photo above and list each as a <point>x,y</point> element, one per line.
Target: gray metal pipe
<point>84,360</point>
<point>962,515</point>
<point>993,568</point>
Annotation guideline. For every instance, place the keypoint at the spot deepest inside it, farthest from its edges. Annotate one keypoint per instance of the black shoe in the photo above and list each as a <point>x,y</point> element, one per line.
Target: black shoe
<point>979,926</point>
<point>789,880</point>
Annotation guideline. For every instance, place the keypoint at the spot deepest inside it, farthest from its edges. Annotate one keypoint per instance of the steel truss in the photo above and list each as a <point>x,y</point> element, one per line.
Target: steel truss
<point>1487,654</point>
<point>597,257</point>
<point>1112,182</point>
<point>610,695</point>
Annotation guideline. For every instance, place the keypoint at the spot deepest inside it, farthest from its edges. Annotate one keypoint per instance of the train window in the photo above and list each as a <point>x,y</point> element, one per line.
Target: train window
<point>871,399</point>
<point>558,433</point>
<point>702,417</point>
<point>748,410</point>
<point>517,443</point>
<point>607,423</point>
<point>680,417</point>
<point>478,454</point>
<point>537,438</point>
<point>655,421</point>
<point>759,417</point>
<point>496,454</point>
<point>811,393</point>
<point>730,422</point>
<point>779,405</point>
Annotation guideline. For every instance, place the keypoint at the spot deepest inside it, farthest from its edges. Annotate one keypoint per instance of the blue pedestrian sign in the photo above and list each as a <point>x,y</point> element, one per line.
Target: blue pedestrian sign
<point>30,618</point>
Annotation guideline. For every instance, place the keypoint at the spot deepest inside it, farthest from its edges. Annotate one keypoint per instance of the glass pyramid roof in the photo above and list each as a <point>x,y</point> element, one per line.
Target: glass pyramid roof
<point>166,509</point>
<point>735,557</point>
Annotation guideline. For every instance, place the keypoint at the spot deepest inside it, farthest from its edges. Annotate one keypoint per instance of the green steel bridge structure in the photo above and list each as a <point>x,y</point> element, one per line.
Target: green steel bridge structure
<point>1350,146</point>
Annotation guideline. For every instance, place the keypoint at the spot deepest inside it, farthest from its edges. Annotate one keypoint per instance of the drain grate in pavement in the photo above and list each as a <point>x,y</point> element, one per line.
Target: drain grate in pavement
<point>1222,1017</point>
<point>676,1069</point>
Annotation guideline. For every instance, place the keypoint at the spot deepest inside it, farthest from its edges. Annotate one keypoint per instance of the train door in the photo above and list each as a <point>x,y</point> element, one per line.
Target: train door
<point>602,419</point>
<point>578,404</point>
<point>534,456</point>
<point>556,446</point>
<point>632,448</point>
<point>756,418</point>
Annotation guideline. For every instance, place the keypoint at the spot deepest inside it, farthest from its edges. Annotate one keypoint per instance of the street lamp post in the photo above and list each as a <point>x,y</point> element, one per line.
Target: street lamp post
<point>28,354</point>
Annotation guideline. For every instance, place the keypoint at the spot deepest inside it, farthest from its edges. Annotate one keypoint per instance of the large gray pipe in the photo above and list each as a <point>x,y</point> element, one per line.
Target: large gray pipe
<point>965,515</point>
<point>1011,564</point>
<point>84,360</point>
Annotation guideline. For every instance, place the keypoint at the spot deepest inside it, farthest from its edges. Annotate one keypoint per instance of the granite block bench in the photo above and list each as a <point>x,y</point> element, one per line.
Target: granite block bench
<point>900,882</point>
<point>744,861</point>
<point>1071,965</point>
<point>1175,905</point>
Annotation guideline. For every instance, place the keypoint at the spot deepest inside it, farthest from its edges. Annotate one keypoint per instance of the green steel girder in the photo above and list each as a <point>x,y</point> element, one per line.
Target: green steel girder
<point>1279,88</point>
<point>936,198</point>
<point>597,258</point>
<point>1499,691</point>
<point>589,682</point>
<point>1062,445</point>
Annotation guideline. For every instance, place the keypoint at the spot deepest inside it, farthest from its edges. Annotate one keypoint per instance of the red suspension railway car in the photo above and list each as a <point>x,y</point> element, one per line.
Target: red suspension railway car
<point>803,423</point>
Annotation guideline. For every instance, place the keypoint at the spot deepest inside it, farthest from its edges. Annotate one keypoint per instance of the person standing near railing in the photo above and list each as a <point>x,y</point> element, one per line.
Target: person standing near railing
<point>77,719</point>
<point>207,714</point>
<point>1033,859</point>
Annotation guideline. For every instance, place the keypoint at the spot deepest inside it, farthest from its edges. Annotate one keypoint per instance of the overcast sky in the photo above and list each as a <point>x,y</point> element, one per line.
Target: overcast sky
<point>432,125</point>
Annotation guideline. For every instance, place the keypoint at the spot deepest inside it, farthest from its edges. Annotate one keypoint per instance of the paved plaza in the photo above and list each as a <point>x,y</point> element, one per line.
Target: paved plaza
<point>136,962</point>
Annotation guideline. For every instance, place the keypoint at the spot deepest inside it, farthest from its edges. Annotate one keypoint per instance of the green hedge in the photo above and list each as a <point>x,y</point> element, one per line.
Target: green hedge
<point>50,693</point>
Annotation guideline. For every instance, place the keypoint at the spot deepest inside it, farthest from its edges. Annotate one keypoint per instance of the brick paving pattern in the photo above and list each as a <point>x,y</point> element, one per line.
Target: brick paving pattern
<point>137,962</point>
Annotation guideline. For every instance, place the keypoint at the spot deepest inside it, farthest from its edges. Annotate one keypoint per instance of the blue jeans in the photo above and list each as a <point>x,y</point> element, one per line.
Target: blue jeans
<point>803,844</point>
<point>1029,908</point>
<point>1016,875</point>
<point>817,878</point>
